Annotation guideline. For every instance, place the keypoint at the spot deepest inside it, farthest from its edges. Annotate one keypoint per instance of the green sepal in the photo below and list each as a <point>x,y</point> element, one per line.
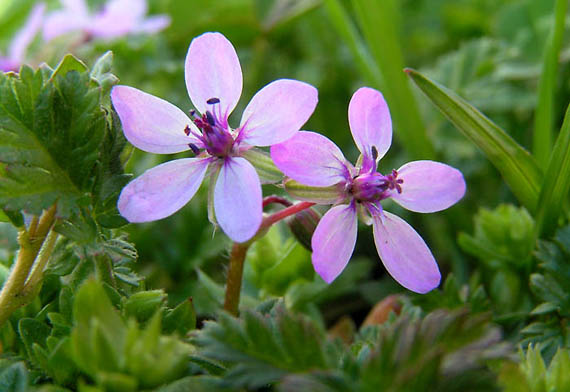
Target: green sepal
<point>321,195</point>
<point>266,170</point>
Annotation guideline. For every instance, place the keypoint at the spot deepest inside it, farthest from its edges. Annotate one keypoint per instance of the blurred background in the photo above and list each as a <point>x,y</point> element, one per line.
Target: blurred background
<point>487,51</point>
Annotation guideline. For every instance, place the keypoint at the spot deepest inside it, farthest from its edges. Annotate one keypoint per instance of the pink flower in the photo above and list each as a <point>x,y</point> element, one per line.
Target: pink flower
<point>116,19</point>
<point>214,83</point>
<point>17,49</point>
<point>420,186</point>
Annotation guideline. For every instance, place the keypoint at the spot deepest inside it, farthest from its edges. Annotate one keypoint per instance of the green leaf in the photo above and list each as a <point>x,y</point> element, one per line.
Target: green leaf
<point>32,332</point>
<point>180,319</point>
<point>347,30</point>
<point>144,304</point>
<point>554,192</point>
<point>101,72</point>
<point>380,25</point>
<point>67,64</point>
<point>518,168</point>
<point>543,118</point>
<point>14,378</point>
<point>49,139</point>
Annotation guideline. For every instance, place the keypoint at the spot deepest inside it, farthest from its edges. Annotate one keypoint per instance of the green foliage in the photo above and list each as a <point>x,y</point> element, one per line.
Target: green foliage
<point>532,375</point>
<point>503,241</point>
<point>549,325</point>
<point>293,352</point>
<point>85,337</point>
<point>517,166</point>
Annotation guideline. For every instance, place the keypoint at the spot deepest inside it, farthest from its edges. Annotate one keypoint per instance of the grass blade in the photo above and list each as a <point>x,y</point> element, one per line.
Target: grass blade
<point>518,168</point>
<point>378,20</point>
<point>543,128</point>
<point>554,192</point>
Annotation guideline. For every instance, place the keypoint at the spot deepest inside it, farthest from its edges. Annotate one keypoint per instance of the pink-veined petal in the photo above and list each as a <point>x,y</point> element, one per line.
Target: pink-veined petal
<point>311,159</point>
<point>161,191</point>
<point>213,71</point>
<point>333,241</point>
<point>405,254</point>
<point>26,35</point>
<point>277,111</point>
<point>370,122</point>
<point>150,123</point>
<point>429,186</point>
<point>237,199</point>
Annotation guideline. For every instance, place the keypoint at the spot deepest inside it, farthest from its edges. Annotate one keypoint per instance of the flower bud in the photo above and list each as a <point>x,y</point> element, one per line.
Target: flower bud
<point>303,225</point>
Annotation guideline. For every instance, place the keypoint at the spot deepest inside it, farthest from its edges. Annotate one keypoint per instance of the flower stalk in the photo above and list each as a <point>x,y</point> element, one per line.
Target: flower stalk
<point>27,273</point>
<point>239,250</point>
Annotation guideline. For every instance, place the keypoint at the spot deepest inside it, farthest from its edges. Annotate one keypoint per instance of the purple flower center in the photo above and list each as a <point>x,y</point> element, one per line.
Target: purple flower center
<point>373,187</point>
<point>215,132</point>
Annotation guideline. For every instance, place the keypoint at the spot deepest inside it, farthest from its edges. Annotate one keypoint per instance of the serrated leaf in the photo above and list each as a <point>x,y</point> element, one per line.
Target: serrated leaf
<point>49,139</point>
<point>180,319</point>
<point>33,332</point>
<point>518,168</point>
<point>14,378</point>
<point>67,64</point>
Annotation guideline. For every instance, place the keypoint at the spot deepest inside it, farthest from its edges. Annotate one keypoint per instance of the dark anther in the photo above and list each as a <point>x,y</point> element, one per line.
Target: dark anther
<point>194,148</point>
<point>192,113</point>
<point>213,101</point>
<point>187,130</point>
<point>374,152</point>
<point>210,119</point>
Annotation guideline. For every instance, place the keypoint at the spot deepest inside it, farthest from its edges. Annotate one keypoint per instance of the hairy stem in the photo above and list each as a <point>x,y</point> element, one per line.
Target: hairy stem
<point>235,273</point>
<point>239,251</point>
<point>13,294</point>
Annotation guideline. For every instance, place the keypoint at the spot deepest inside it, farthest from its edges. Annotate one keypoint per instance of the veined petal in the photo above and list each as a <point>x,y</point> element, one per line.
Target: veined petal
<point>333,241</point>
<point>162,190</point>
<point>150,123</point>
<point>311,159</point>
<point>237,199</point>
<point>213,71</point>
<point>26,35</point>
<point>370,122</point>
<point>405,254</point>
<point>429,186</point>
<point>277,111</point>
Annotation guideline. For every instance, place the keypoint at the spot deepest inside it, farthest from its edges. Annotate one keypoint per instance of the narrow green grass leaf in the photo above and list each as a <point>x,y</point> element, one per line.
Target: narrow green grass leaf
<point>543,128</point>
<point>516,165</point>
<point>554,192</point>
<point>349,34</point>
<point>378,21</point>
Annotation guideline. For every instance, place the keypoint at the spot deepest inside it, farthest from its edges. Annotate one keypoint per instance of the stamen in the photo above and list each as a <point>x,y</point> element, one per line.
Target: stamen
<point>187,130</point>
<point>213,101</point>
<point>374,153</point>
<point>194,148</point>
<point>210,118</point>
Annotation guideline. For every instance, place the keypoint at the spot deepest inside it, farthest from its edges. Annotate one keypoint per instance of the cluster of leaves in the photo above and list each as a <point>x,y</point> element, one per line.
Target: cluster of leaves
<point>446,350</point>
<point>550,319</point>
<point>532,375</point>
<point>503,241</point>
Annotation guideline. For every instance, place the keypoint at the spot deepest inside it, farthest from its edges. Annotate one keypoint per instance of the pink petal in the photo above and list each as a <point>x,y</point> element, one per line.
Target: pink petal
<point>162,190</point>
<point>277,111</point>
<point>429,186</point>
<point>405,254</point>
<point>26,35</point>
<point>150,123</point>
<point>152,24</point>
<point>213,71</point>
<point>311,159</point>
<point>7,64</point>
<point>370,121</point>
<point>73,17</point>
<point>333,241</point>
<point>237,199</point>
